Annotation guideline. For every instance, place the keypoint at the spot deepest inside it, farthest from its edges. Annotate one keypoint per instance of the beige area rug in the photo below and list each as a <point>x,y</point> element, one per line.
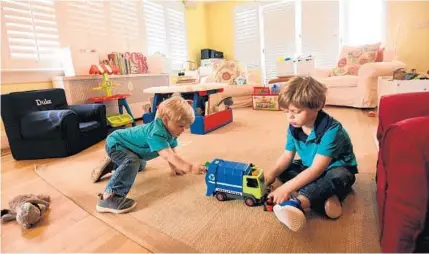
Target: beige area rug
<point>174,215</point>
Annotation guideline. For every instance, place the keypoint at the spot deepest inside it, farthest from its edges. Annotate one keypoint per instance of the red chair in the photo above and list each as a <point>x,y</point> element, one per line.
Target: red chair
<point>403,172</point>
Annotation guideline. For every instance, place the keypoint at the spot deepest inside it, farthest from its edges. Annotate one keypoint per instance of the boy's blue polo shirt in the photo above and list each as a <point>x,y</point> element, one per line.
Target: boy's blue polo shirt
<point>327,138</point>
<point>144,140</point>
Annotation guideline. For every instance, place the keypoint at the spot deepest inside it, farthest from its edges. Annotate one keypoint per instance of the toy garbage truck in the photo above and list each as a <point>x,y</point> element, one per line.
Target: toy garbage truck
<point>228,179</point>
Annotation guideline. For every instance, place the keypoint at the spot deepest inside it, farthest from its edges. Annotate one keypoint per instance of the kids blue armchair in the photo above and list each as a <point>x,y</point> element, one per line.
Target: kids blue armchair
<point>40,124</point>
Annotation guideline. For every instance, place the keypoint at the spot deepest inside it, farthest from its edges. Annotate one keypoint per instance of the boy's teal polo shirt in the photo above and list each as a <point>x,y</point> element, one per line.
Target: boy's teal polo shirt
<point>144,140</point>
<point>327,138</point>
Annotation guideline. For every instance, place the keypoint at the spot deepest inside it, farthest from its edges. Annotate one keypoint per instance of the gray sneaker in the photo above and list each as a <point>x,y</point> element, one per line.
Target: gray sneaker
<point>115,204</point>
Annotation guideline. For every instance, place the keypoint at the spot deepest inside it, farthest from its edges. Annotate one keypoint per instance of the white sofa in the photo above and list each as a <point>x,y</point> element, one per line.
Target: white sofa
<point>241,94</point>
<point>357,91</point>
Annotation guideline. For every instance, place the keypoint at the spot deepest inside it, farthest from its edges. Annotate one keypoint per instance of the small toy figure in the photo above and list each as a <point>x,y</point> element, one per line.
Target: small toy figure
<point>107,85</point>
<point>27,210</point>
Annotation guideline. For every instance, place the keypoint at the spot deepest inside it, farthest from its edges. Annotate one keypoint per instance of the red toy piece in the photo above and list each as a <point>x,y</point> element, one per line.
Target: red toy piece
<point>94,70</point>
<point>371,114</point>
<point>268,202</point>
<point>268,205</point>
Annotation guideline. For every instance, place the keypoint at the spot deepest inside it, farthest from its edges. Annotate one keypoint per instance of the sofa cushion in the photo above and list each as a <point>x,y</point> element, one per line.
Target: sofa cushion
<point>352,58</point>
<point>339,81</point>
<point>87,126</point>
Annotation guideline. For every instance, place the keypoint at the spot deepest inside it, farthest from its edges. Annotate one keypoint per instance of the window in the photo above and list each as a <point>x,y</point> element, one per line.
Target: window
<point>32,35</point>
<point>246,33</point>
<point>103,26</point>
<point>124,25</point>
<point>166,31</point>
<point>278,42</point>
<point>321,31</point>
<point>293,28</point>
<point>83,25</point>
<point>177,37</point>
<point>363,21</point>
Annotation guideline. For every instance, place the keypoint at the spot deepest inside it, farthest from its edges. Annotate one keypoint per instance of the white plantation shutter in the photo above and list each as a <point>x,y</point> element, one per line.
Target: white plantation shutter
<point>177,36</point>
<point>86,17</point>
<point>31,31</point>
<point>84,25</point>
<point>247,48</point>
<point>103,26</point>
<point>125,24</point>
<point>156,35</point>
<point>279,34</point>
<point>320,31</point>
<point>166,30</point>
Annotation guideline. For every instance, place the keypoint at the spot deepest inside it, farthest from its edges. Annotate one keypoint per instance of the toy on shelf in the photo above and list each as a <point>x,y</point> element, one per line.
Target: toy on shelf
<point>103,68</point>
<point>265,98</point>
<point>107,85</point>
<point>228,179</point>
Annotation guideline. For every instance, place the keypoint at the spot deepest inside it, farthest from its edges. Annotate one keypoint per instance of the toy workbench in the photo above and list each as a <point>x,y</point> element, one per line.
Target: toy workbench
<point>199,95</point>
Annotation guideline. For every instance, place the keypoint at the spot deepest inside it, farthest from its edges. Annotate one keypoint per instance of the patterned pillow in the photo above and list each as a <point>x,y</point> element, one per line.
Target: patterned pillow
<point>228,72</point>
<point>352,58</point>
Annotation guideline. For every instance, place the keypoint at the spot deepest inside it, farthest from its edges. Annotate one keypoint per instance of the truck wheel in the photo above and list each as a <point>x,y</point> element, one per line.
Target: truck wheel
<point>220,196</point>
<point>249,201</point>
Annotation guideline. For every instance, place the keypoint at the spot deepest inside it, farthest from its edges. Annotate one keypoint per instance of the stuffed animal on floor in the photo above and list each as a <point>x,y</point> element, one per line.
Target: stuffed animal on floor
<point>27,210</point>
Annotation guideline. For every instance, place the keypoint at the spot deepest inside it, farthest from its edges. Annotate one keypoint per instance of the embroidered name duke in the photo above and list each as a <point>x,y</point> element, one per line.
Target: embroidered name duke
<point>43,102</point>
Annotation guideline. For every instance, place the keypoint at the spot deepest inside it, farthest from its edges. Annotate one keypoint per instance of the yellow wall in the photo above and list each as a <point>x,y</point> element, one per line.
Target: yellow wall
<point>220,26</point>
<point>8,88</point>
<point>412,42</point>
<point>196,31</point>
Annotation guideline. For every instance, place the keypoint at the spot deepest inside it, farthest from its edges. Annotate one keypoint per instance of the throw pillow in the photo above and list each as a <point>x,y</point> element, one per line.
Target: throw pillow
<point>352,58</point>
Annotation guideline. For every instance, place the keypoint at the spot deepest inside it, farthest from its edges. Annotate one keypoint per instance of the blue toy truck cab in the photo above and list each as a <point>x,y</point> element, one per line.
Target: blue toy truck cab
<point>227,179</point>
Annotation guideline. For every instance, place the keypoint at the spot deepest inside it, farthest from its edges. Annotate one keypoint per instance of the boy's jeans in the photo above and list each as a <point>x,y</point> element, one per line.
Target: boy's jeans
<point>125,174</point>
<point>336,181</point>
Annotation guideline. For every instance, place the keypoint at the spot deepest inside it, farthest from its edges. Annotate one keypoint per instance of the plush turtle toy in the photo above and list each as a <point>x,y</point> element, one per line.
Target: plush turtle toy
<point>27,210</point>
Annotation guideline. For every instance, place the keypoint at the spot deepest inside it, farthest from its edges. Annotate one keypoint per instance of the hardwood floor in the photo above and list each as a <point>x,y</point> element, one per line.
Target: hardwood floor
<point>69,228</point>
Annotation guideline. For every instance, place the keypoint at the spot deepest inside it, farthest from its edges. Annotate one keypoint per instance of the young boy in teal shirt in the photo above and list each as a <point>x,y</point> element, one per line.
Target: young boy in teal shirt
<point>130,148</point>
<point>326,172</point>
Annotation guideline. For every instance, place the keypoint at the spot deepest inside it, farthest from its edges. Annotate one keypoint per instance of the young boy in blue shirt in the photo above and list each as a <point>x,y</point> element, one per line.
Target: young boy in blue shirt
<point>326,171</point>
<point>130,148</point>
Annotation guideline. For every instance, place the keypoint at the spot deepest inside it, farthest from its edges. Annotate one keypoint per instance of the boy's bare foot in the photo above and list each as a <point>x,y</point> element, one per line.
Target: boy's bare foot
<point>333,208</point>
<point>105,167</point>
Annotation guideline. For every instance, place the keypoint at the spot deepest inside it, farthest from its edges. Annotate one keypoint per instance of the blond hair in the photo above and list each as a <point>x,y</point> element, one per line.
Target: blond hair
<point>176,109</point>
<point>303,92</point>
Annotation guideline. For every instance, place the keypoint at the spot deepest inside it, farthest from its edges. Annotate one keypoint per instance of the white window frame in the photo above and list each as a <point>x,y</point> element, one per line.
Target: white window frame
<point>297,32</point>
<point>16,65</point>
<point>177,6</point>
<point>238,54</point>
<point>344,33</point>
<point>298,26</point>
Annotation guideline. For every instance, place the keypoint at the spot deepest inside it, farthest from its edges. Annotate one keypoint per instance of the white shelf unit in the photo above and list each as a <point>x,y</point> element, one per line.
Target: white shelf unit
<point>79,88</point>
